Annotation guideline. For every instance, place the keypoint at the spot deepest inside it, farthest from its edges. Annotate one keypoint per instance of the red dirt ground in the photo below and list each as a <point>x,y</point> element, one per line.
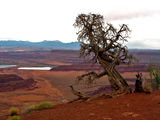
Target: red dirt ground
<point>139,106</point>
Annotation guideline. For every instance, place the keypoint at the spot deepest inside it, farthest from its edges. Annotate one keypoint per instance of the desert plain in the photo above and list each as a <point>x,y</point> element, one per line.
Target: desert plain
<point>23,88</point>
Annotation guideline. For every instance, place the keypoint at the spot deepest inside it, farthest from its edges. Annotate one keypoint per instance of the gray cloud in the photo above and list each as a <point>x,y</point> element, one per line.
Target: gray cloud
<point>144,44</point>
<point>129,15</point>
<point>137,45</point>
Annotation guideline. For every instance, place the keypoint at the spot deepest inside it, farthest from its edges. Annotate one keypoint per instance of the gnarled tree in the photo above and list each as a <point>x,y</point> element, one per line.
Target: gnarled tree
<point>105,45</point>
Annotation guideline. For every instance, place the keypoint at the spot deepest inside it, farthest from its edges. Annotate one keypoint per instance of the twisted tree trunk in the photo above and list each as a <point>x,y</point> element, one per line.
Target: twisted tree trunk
<point>118,83</point>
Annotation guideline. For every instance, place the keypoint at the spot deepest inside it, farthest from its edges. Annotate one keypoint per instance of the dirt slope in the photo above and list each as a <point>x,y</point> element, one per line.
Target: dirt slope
<point>128,107</point>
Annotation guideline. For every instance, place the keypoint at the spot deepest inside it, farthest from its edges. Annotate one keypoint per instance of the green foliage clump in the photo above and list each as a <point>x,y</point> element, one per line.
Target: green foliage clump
<point>100,104</point>
<point>13,111</point>
<point>154,73</point>
<point>28,110</point>
<point>148,88</point>
<point>14,118</point>
<point>41,106</point>
<point>150,70</point>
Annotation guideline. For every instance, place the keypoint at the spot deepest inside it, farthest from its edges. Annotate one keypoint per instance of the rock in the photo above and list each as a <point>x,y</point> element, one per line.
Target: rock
<point>130,114</point>
<point>127,105</point>
<point>135,115</point>
<point>138,84</point>
<point>107,118</point>
<point>65,101</point>
<point>91,114</point>
<point>11,82</point>
<point>127,114</point>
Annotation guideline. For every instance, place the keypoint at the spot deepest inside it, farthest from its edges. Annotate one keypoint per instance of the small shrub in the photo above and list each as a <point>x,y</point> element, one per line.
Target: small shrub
<point>13,111</point>
<point>150,70</point>
<point>14,118</point>
<point>28,110</point>
<point>100,104</point>
<point>144,82</point>
<point>148,88</point>
<point>156,75</point>
<point>154,72</point>
<point>43,105</point>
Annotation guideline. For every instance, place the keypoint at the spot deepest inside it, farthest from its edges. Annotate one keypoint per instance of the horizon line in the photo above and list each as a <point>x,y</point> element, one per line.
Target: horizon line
<point>68,42</point>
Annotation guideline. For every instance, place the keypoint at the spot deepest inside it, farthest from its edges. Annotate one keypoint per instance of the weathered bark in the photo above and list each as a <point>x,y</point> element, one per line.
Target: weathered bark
<point>118,83</point>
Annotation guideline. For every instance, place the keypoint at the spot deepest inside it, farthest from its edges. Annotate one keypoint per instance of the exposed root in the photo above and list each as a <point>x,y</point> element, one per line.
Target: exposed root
<point>122,92</point>
<point>82,97</point>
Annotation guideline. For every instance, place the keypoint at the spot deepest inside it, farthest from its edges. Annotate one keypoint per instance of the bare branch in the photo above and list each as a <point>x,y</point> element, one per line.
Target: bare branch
<point>91,76</point>
<point>95,37</point>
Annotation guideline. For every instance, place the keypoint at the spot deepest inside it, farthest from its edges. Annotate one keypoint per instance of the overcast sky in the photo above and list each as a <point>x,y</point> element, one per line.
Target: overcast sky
<point>37,20</point>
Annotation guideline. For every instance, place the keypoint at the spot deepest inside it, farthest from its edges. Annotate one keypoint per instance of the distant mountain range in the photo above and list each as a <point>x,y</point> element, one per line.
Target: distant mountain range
<point>44,44</point>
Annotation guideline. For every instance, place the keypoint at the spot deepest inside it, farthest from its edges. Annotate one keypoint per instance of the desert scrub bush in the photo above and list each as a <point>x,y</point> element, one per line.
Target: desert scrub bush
<point>28,110</point>
<point>13,111</point>
<point>154,72</point>
<point>14,118</point>
<point>41,106</point>
<point>101,104</point>
<point>150,70</point>
<point>148,88</point>
<point>156,75</point>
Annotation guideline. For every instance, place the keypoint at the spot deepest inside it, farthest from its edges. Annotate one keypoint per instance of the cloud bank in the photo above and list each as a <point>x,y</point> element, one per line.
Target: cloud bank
<point>144,44</point>
<point>122,15</point>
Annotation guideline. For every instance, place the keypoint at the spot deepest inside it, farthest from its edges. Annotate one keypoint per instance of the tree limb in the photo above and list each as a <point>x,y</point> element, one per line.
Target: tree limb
<point>91,76</point>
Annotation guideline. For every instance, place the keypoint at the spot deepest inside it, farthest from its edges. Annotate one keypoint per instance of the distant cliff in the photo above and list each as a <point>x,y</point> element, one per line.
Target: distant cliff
<point>46,44</point>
